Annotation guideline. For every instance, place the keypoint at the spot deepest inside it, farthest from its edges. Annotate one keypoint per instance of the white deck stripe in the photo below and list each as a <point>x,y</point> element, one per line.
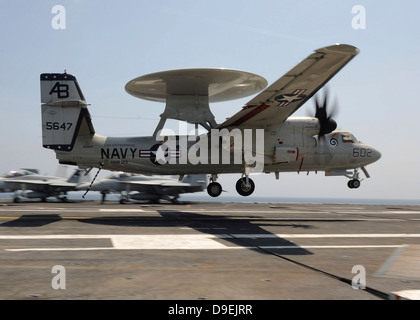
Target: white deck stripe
<point>197,241</point>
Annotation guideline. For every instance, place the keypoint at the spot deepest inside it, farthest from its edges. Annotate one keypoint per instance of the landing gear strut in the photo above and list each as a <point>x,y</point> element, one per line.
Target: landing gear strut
<point>354,183</point>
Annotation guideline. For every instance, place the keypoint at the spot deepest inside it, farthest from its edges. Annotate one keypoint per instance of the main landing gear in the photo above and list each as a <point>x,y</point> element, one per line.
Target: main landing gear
<point>245,186</point>
<point>214,189</point>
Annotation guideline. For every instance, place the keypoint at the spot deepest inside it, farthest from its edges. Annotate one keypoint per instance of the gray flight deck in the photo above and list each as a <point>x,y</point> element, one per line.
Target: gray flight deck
<point>208,251</point>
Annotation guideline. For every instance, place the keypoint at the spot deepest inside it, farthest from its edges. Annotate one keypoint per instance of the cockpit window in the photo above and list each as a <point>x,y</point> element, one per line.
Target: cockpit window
<point>348,138</point>
<point>20,173</point>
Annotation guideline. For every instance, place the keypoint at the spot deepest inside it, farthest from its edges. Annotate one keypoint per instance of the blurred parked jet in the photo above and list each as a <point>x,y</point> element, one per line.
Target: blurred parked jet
<point>151,188</point>
<point>29,184</point>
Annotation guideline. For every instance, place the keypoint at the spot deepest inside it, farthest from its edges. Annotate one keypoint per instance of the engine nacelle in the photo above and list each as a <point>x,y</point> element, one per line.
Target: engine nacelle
<point>298,132</point>
<point>307,125</point>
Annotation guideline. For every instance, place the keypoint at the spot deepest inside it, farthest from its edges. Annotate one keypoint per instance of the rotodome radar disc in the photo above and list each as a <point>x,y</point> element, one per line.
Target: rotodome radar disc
<point>217,83</point>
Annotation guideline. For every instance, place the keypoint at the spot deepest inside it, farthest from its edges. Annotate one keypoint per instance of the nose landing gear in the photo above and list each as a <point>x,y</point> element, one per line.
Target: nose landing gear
<point>354,182</point>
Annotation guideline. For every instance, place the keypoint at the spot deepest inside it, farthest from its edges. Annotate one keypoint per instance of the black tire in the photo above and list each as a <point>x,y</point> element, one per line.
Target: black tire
<point>353,184</point>
<point>356,184</point>
<point>243,189</point>
<point>214,189</point>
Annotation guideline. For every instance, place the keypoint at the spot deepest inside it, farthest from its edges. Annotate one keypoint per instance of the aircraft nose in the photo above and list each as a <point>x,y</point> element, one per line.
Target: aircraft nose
<point>374,155</point>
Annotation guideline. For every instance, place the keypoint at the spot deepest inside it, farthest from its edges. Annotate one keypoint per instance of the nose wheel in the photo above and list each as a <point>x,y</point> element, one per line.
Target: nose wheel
<point>353,184</point>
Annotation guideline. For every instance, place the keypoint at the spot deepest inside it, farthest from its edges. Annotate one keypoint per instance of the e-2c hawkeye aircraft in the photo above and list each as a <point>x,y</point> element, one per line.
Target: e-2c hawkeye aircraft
<point>261,137</point>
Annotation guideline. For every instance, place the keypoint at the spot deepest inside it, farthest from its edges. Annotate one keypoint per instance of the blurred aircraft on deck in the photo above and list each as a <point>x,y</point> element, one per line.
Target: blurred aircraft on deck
<point>153,188</point>
<point>28,183</point>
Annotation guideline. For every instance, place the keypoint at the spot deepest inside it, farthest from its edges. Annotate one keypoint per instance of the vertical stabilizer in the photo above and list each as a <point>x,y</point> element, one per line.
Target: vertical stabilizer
<point>75,177</point>
<point>64,111</point>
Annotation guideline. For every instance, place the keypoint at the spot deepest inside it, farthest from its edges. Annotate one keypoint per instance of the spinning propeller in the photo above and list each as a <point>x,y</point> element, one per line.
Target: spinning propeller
<point>324,113</point>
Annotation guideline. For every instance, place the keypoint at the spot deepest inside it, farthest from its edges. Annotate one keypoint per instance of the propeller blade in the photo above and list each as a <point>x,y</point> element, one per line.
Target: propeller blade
<point>324,113</point>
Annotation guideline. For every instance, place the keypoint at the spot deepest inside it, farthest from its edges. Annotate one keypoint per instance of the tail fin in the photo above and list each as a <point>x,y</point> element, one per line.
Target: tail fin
<point>64,111</point>
<point>75,178</point>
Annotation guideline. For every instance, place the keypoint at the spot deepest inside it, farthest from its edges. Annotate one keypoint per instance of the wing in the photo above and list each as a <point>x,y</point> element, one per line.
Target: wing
<point>280,100</point>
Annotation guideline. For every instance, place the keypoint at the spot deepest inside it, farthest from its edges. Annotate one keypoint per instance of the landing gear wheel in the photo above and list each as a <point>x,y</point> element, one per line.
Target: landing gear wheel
<point>244,189</point>
<point>353,184</point>
<point>356,184</point>
<point>214,189</point>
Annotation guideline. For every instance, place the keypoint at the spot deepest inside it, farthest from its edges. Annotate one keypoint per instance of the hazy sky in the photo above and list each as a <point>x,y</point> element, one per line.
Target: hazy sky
<point>107,43</point>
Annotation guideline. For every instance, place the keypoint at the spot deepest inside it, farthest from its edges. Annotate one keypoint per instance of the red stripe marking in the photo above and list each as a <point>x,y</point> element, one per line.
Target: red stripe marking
<point>300,167</point>
<point>251,114</point>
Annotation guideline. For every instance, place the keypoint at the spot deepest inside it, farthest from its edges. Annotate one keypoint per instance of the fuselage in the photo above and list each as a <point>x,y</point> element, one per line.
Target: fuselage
<point>290,146</point>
